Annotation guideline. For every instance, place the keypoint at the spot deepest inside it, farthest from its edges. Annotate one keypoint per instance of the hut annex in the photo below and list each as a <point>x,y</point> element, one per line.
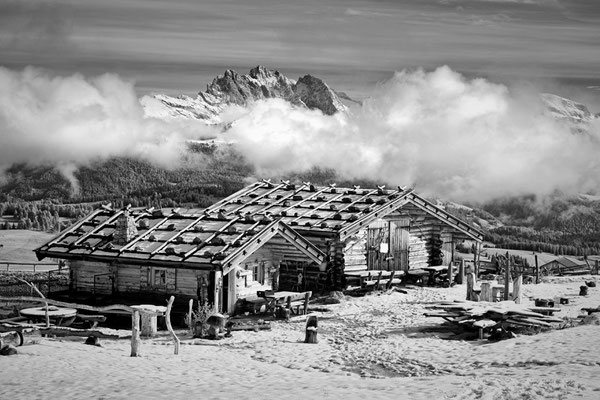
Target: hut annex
<point>266,236</point>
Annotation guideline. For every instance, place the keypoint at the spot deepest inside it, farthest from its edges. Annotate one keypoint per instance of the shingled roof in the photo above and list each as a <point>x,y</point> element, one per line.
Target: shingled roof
<point>234,227</point>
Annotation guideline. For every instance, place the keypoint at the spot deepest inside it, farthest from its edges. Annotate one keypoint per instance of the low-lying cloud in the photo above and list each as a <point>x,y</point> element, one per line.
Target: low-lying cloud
<point>73,120</point>
<point>438,131</point>
<point>444,134</point>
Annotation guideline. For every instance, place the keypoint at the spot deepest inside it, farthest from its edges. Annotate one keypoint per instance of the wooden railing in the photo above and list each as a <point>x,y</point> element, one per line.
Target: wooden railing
<point>8,266</point>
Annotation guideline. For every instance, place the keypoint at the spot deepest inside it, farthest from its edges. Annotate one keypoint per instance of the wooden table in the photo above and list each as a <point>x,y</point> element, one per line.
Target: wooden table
<point>60,315</point>
<point>435,272</point>
<point>278,299</point>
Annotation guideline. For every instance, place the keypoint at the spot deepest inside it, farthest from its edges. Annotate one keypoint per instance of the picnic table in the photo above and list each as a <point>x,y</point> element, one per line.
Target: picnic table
<point>273,300</point>
<point>373,278</point>
<point>436,272</point>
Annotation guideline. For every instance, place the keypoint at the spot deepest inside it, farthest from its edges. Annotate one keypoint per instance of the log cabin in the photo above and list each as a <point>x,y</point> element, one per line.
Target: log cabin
<point>264,237</point>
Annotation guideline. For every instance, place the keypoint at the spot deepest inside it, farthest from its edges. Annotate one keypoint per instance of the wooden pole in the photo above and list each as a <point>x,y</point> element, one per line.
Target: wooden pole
<point>449,273</point>
<point>597,265</point>
<point>189,316</point>
<point>470,286</point>
<point>135,333</point>
<point>507,277</point>
<point>169,327</point>
<point>517,283</point>
<point>461,272</point>
<point>537,270</point>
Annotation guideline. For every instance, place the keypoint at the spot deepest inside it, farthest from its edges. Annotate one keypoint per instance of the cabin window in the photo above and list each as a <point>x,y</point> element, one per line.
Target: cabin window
<point>159,277</point>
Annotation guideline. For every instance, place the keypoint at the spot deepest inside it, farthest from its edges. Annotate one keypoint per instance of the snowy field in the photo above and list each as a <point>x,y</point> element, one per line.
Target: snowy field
<point>378,346</point>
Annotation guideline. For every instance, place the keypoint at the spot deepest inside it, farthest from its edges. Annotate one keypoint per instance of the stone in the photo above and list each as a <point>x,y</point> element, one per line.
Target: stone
<point>93,341</point>
<point>8,350</point>
<point>592,319</point>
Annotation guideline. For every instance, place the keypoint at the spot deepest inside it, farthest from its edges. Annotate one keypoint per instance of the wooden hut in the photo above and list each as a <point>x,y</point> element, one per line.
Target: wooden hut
<point>266,236</point>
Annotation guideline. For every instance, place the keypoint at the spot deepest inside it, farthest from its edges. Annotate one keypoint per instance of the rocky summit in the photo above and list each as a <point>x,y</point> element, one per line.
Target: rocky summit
<point>233,88</point>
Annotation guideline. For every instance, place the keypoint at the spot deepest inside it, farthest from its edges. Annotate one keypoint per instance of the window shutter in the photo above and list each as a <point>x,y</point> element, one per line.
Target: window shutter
<point>171,278</point>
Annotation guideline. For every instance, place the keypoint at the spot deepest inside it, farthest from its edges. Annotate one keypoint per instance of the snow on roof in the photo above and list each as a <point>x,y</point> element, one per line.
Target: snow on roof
<point>218,233</point>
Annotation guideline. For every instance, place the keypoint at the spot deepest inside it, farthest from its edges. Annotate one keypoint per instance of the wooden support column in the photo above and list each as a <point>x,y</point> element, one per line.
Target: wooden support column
<point>449,273</point>
<point>537,270</point>
<point>507,278</point>
<point>135,333</point>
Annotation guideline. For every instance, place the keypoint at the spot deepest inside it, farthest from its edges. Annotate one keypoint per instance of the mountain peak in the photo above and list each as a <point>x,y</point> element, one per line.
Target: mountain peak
<point>233,88</point>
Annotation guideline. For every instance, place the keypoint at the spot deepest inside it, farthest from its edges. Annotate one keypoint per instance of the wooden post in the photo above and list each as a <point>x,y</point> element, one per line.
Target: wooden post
<point>311,329</point>
<point>470,285</point>
<point>537,270</point>
<point>306,301</point>
<point>486,291</point>
<point>449,273</point>
<point>168,323</point>
<point>135,333</point>
<point>517,283</point>
<point>596,267</point>
<point>507,278</point>
<point>189,316</point>
<point>461,273</point>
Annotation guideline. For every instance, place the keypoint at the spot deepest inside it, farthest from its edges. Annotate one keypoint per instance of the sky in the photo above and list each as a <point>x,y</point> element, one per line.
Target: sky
<point>178,46</point>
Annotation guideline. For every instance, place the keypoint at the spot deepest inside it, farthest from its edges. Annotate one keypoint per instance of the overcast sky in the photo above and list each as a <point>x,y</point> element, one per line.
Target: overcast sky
<point>178,46</point>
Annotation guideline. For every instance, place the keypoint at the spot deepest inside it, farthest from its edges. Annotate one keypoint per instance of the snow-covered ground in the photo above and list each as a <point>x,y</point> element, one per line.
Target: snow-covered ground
<point>379,346</point>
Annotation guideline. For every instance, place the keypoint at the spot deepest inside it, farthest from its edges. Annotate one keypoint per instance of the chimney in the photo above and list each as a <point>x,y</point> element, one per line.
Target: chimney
<point>126,229</point>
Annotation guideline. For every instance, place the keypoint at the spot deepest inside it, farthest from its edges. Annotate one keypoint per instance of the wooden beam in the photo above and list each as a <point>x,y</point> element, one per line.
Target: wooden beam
<point>378,212</point>
<point>446,217</point>
<point>73,228</point>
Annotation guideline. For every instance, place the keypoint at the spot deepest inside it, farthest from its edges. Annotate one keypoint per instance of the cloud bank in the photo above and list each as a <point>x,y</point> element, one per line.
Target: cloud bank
<point>446,135</point>
<point>73,120</point>
<point>437,131</point>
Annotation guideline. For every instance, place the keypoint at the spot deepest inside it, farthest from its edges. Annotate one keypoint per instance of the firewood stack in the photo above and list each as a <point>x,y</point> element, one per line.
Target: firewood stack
<point>505,314</point>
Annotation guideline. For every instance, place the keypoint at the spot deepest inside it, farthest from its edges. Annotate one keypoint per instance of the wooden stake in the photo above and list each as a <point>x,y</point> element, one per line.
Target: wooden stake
<point>470,285</point>
<point>537,270</point>
<point>189,316</point>
<point>169,327</point>
<point>135,333</point>
<point>449,273</point>
<point>311,329</point>
<point>517,283</point>
<point>461,273</point>
<point>507,277</point>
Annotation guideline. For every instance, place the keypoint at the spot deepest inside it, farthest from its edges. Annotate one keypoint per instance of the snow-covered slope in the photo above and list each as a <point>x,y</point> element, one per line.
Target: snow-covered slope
<point>570,112</point>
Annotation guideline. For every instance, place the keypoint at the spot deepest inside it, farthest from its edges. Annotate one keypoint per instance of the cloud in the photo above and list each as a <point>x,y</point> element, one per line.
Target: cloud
<point>445,134</point>
<point>73,120</point>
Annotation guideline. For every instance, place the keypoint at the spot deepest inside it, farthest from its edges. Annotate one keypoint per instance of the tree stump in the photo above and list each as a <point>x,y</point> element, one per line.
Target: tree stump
<point>583,290</point>
<point>311,329</point>
<point>471,280</point>
<point>149,324</point>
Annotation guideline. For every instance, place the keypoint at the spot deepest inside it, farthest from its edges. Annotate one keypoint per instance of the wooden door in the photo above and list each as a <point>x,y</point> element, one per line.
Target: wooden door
<point>377,245</point>
<point>399,245</point>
